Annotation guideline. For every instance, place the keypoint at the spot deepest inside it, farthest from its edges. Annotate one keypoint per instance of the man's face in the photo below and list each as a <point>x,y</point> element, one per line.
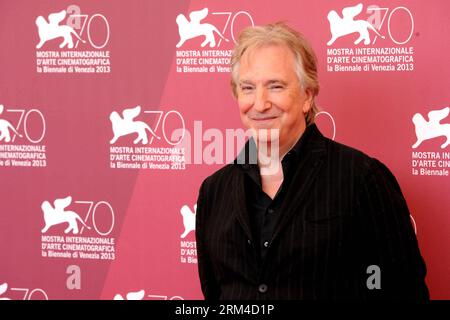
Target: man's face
<point>269,93</point>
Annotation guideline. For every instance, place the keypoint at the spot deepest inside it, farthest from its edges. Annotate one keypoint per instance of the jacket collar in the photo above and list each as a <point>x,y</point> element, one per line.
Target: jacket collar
<point>310,150</point>
<point>248,155</point>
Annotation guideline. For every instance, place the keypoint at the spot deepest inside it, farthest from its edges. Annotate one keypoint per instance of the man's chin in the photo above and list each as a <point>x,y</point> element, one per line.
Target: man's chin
<point>265,135</point>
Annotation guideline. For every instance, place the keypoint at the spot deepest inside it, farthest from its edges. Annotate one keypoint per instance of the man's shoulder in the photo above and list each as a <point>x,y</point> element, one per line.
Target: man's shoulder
<point>350,155</point>
<point>360,162</point>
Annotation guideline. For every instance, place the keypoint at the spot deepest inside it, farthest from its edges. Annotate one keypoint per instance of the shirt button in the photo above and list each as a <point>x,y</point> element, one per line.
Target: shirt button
<point>262,288</point>
<point>266,244</point>
<point>270,211</point>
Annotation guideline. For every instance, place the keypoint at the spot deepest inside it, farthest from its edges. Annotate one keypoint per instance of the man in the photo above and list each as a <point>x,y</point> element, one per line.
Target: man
<point>325,221</point>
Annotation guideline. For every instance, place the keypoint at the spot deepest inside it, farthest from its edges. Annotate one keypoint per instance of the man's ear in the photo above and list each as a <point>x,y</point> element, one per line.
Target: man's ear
<point>307,104</point>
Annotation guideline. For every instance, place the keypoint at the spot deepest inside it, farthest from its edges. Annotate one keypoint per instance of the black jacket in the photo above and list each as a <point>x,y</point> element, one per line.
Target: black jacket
<point>343,213</point>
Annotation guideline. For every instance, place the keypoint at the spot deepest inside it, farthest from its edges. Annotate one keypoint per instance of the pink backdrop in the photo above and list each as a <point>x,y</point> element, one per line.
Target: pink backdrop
<point>132,195</point>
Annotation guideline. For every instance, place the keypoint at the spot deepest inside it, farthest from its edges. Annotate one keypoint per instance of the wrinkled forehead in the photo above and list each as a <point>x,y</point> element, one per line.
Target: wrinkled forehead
<point>266,60</point>
<point>256,48</point>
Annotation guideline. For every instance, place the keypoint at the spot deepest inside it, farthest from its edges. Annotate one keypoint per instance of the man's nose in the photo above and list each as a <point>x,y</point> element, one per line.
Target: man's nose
<point>262,102</point>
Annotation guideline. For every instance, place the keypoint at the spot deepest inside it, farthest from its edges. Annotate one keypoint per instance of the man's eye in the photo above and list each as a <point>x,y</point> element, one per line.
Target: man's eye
<point>276,87</point>
<point>246,88</point>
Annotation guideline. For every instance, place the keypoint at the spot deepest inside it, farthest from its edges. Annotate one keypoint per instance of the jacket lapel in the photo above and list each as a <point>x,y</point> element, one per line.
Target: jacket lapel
<point>240,203</point>
<point>239,200</point>
<point>311,159</point>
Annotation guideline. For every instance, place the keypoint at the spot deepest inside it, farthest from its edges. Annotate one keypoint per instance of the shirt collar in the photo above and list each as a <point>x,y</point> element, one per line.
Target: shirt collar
<point>247,158</point>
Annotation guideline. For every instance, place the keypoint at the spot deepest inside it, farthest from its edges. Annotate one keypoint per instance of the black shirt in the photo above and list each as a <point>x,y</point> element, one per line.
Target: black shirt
<point>263,210</point>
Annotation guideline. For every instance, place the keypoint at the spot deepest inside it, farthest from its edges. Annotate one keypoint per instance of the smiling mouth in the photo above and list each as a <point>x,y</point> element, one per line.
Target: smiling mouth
<point>263,122</point>
<point>263,119</point>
